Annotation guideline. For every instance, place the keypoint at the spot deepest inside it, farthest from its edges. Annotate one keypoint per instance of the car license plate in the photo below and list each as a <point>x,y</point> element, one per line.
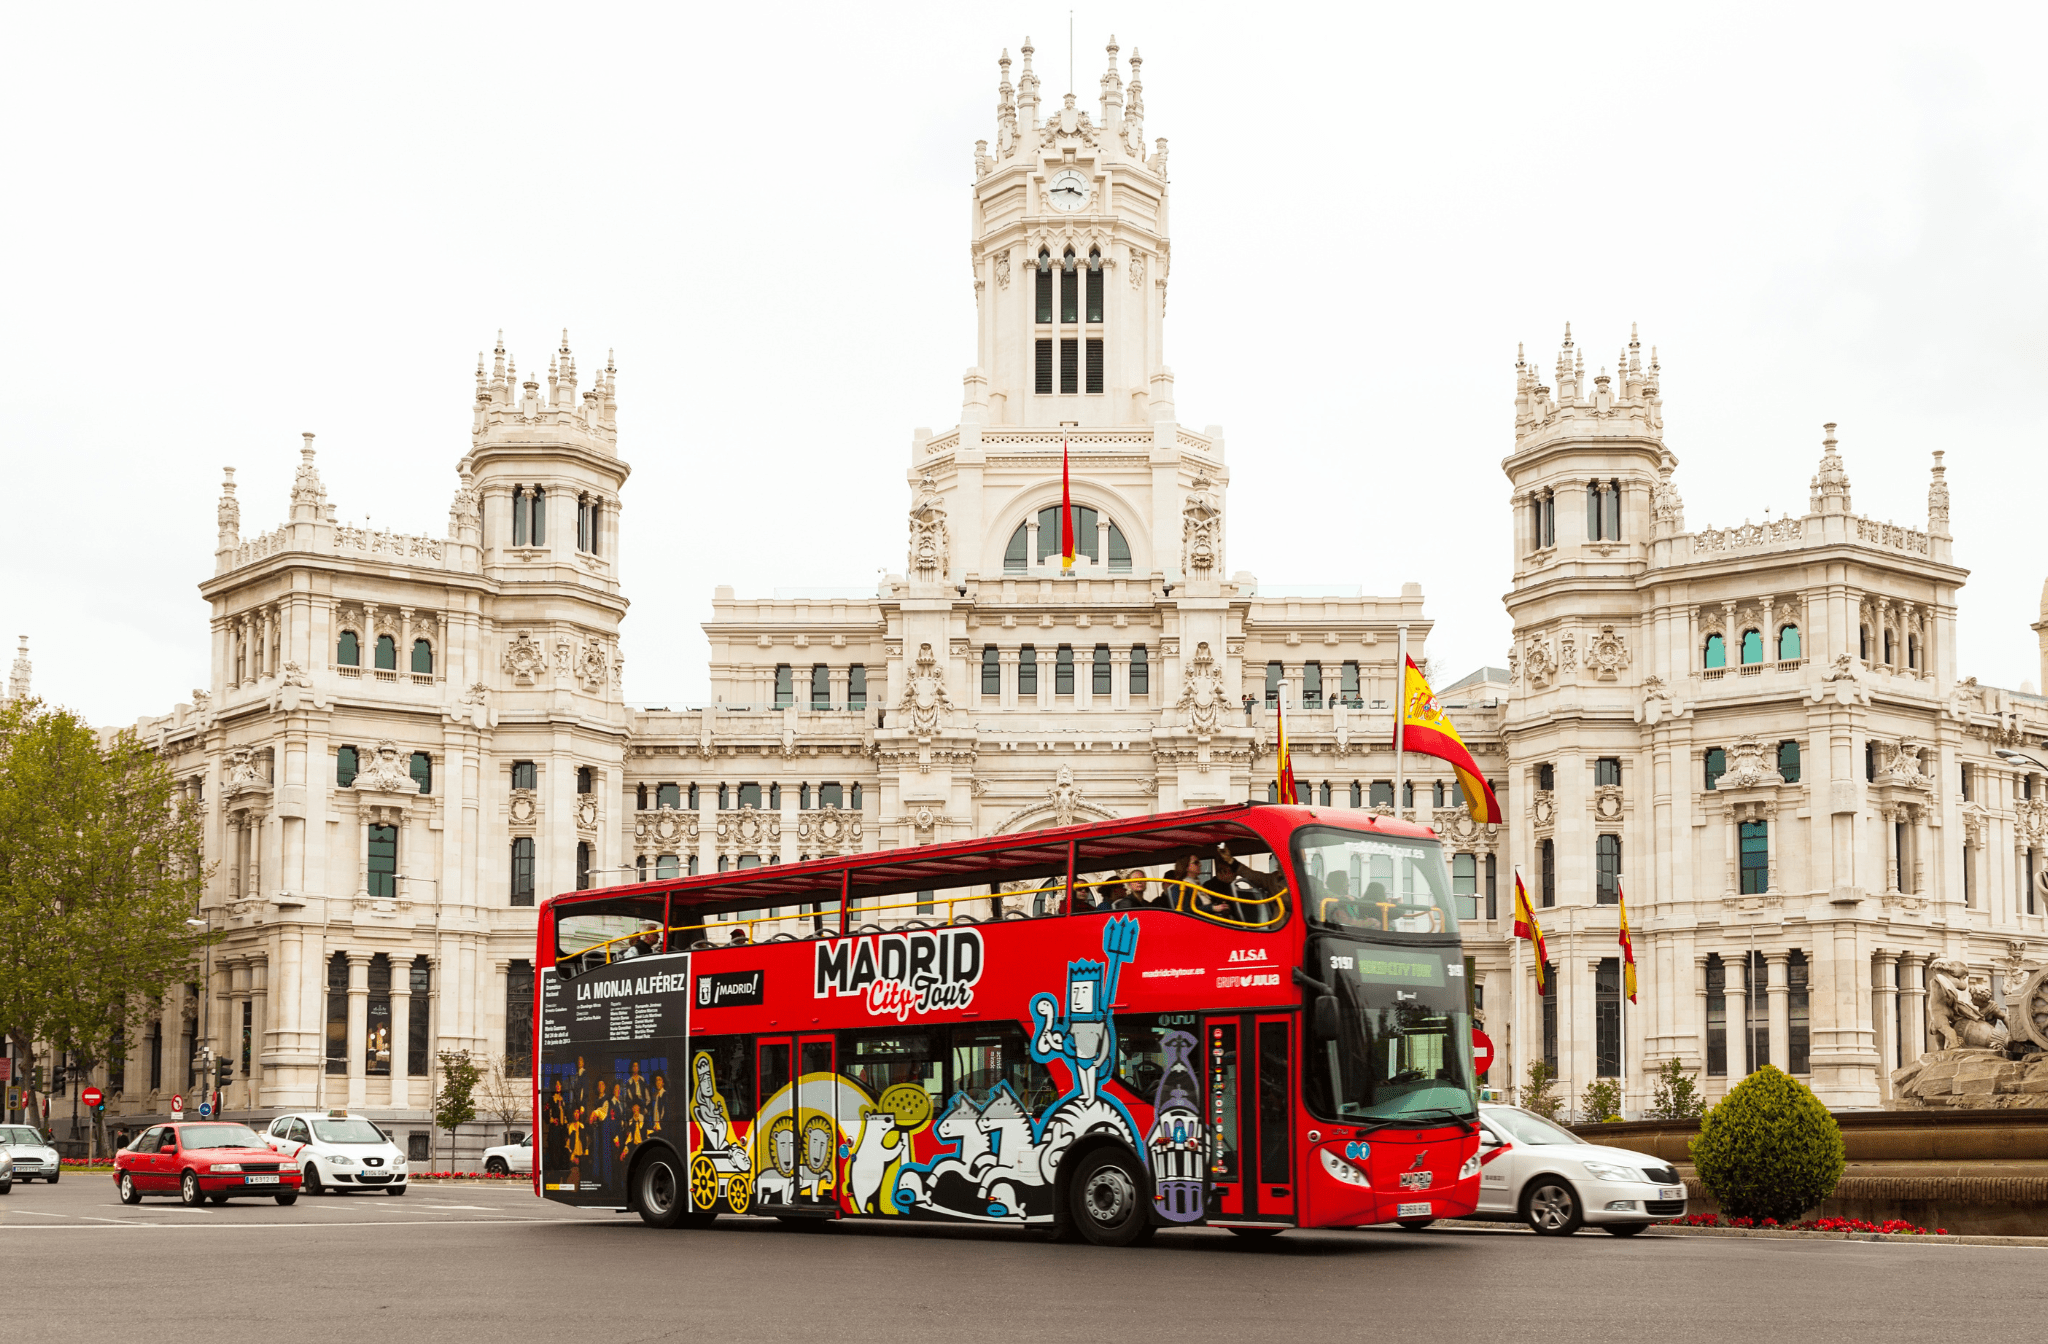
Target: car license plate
<point>259,1180</point>
<point>1671,1192</point>
<point>1412,1210</point>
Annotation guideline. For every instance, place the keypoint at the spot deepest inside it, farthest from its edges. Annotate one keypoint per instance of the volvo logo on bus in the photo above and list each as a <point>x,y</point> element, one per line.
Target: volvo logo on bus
<point>899,974</point>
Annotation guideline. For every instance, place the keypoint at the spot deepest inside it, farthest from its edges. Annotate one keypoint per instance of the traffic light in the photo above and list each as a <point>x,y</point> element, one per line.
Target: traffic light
<point>224,1073</point>
<point>57,1076</point>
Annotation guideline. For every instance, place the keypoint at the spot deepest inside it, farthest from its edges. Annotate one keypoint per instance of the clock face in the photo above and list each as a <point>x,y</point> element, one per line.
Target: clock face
<point>1068,190</point>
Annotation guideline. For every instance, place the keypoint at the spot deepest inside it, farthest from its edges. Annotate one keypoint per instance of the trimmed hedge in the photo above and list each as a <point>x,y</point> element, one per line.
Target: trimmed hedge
<point>1770,1149</point>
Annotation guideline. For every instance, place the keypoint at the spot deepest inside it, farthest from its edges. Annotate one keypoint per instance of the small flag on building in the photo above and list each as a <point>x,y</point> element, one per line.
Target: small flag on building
<point>1527,927</point>
<point>1284,764</point>
<point>1066,513</point>
<point>1628,947</point>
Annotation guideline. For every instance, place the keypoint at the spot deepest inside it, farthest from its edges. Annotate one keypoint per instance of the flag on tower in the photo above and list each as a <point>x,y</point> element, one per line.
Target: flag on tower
<point>1427,729</point>
<point>1527,927</point>
<point>1628,947</point>
<point>1066,513</point>
<point>1284,763</point>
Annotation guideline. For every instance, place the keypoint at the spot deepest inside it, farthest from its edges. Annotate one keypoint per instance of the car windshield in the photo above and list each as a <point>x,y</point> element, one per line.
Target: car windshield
<point>17,1134</point>
<point>347,1131</point>
<point>1528,1127</point>
<point>1404,1036</point>
<point>1374,884</point>
<point>218,1136</point>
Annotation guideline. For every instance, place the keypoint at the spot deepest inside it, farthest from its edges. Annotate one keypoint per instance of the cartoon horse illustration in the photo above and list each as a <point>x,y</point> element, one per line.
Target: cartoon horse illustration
<point>959,1126</point>
<point>1013,1157</point>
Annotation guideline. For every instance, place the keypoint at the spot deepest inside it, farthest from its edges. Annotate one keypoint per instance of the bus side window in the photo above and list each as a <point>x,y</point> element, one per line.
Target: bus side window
<point>774,1072</point>
<point>985,1056</point>
<point>1140,1059</point>
<point>732,1069</point>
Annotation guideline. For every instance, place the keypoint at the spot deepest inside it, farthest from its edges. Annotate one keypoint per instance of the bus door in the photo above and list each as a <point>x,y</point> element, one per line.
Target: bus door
<point>1250,1086</point>
<point>817,1124</point>
<point>776,1130</point>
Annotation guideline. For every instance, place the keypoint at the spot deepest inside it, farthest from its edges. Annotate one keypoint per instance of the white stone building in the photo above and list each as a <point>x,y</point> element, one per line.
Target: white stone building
<point>406,740</point>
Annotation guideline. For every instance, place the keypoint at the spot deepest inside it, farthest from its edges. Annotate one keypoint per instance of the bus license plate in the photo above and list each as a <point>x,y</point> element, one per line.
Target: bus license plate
<point>1412,1210</point>
<point>259,1180</point>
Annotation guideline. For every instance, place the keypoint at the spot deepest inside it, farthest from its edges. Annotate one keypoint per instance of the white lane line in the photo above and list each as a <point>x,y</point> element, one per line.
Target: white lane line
<point>187,1227</point>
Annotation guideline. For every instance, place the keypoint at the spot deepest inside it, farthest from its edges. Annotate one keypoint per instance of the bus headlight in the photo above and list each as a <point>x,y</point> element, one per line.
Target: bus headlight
<point>1343,1170</point>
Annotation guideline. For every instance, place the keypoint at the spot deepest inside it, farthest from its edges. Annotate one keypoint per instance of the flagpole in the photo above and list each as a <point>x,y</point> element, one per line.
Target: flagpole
<point>1400,719</point>
<point>1515,1012</point>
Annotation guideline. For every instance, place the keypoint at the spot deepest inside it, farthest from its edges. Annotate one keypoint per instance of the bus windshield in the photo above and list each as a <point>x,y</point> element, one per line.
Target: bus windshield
<point>1404,1037</point>
<point>1374,884</point>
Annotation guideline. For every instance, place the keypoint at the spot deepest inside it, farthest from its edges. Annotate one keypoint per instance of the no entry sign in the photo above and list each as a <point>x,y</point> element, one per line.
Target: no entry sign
<point>1482,1051</point>
<point>91,1097</point>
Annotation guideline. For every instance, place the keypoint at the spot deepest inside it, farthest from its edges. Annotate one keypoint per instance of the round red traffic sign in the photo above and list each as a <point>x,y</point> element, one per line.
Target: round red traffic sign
<point>178,1102</point>
<point>91,1096</point>
<point>1482,1051</point>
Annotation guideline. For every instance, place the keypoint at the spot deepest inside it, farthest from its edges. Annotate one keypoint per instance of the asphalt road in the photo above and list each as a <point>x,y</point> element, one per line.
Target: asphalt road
<point>490,1264</point>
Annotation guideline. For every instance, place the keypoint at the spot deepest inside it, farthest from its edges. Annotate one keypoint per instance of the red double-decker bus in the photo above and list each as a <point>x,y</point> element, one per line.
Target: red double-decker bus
<point>1251,1017</point>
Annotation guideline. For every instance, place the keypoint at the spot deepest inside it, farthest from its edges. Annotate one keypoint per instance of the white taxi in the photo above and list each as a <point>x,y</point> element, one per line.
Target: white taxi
<point>338,1152</point>
<point>1548,1177</point>
<point>510,1159</point>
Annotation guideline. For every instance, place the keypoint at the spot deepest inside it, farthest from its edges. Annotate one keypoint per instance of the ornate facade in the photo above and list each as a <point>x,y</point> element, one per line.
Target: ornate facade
<point>406,740</point>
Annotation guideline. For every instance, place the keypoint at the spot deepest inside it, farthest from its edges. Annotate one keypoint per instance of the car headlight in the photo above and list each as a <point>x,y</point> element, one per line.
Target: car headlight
<point>1470,1169</point>
<point>339,1161</point>
<point>1343,1170</point>
<point>1607,1171</point>
<point>226,1166</point>
<point>398,1163</point>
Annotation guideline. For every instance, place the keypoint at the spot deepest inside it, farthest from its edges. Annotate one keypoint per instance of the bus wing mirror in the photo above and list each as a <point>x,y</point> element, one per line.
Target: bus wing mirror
<point>1325,1017</point>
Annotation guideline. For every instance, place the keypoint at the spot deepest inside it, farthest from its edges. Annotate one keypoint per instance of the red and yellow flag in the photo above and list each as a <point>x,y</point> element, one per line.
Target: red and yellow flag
<point>1527,927</point>
<point>1427,729</point>
<point>1628,947</point>
<point>1066,513</point>
<point>1284,763</point>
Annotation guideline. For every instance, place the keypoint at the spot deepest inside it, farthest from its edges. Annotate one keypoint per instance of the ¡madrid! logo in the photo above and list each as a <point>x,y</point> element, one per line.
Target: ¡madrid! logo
<point>899,974</point>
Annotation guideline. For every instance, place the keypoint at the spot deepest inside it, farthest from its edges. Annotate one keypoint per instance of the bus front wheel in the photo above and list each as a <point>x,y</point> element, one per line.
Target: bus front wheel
<point>1107,1200</point>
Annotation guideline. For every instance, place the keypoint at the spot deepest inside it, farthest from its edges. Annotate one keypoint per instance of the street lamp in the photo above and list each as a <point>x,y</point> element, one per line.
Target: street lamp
<point>206,1007</point>
<point>2022,758</point>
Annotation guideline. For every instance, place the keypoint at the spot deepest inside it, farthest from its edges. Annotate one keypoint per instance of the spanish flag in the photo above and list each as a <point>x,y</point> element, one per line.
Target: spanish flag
<point>1527,927</point>
<point>1427,729</point>
<point>1066,513</point>
<point>1628,948</point>
<point>1285,762</point>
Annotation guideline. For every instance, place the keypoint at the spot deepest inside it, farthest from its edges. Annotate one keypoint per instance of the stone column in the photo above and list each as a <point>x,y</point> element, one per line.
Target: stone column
<point>1119,677</point>
<point>1699,983</point>
<point>1884,980</point>
<point>1778,989</point>
<point>1887,819</point>
<point>259,1027</point>
<point>401,1029</point>
<point>1913,999</point>
<point>358,1026</point>
<point>1732,985</point>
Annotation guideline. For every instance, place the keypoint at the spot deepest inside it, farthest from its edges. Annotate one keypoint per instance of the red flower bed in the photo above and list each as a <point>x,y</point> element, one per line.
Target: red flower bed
<point>1894,1226</point>
<point>470,1176</point>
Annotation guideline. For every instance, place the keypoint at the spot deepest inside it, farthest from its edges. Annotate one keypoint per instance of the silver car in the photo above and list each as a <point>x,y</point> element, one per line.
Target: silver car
<point>1556,1182</point>
<point>33,1156</point>
<point>6,1171</point>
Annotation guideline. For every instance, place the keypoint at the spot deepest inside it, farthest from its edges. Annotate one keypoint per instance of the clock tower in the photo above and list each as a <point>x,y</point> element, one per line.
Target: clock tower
<point>1070,258</point>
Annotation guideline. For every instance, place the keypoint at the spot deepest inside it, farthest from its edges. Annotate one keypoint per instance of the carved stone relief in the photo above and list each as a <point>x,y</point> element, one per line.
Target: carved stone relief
<point>383,772</point>
<point>1201,532</point>
<point>1607,654</point>
<point>924,696</point>
<point>525,659</point>
<point>930,555</point>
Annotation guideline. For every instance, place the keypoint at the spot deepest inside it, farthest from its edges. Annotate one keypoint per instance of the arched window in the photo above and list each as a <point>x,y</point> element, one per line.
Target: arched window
<point>803,796</point>
<point>693,798</point>
<point>422,657</point>
<point>582,865</point>
<point>1752,646</point>
<point>1273,792</point>
<point>667,866</point>
<point>1357,794</point>
<point>1717,652</point>
<point>1088,541</point>
<point>1716,766</point>
<point>693,865</point>
<point>1788,761</point>
<point>1788,644</point>
<point>584,779</point>
<point>348,650</point>
<point>640,798</point>
<point>640,868</point>
<point>539,529</point>
<point>519,515</point>
<point>1437,792</point>
<point>423,771</point>
<point>854,798</point>
<point>1326,793</point>
<point>387,654</point>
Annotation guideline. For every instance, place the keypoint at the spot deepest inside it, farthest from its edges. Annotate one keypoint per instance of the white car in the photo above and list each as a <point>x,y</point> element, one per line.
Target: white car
<point>33,1156</point>
<point>338,1152</point>
<point>1556,1182</point>
<point>511,1159</point>
<point>6,1172</point>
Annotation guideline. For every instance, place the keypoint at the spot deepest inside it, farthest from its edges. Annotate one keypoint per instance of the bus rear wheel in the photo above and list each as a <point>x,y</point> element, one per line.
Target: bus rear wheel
<point>1107,1200</point>
<point>659,1192</point>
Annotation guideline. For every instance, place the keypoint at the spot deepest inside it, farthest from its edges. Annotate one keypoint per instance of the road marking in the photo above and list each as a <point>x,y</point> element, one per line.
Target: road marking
<point>183,1227</point>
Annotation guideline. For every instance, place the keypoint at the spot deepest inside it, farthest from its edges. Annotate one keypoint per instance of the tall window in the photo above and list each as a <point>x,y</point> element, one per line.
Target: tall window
<point>1092,371</point>
<point>1492,883</point>
<point>1274,672</point>
<point>1788,643</point>
<point>750,794</point>
<point>519,1019</point>
<point>418,1029</point>
<point>377,1034</point>
<point>821,686</point>
<point>1027,671</point>
<point>583,865</point>
<point>1888,648</point>
<point>1546,777</point>
<point>1550,1016</point>
<point>1141,672</point>
<point>538,505</point>
<point>1607,870</point>
<point>667,866</point>
<point>1094,286</point>
<point>1347,685</point>
<point>522,870</point>
<point>1070,291</point>
<point>1756,1012</point>
<point>1546,866</point>
<point>1913,652</point>
<point>1756,857</point>
<point>1870,760</point>
<point>1863,642</point>
<point>387,654</point>
<point>1752,646</point>
<point>1063,671</point>
<point>829,794</point>
<point>1799,1016</point>
<point>1041,381</point>
<point>1382,793</point>
<point>1042,292</point>
<point>774,797</point>
<point>1465,884</point>
<point>348,650</point>
<point>1436,794</point>
<point>1969,784</point>
<point>1969,877</point>
<point>1788,761</point>
<point>1607,772</point>
<point>668,795</point>
<point>1607,1018</point>
<point>345,766</point>
<point>383,862</point>
<point>1717,1016</point>
<point>1070,360</point>
<point>586,524</point>
<point>117,1061</point>
<point>586,779</point>
<point>1102,683</point>
<point>857,687</point>
<point>853,798</point>
<point>519,515</point>
<point>1717,652</point>
<point>724,797</point>
<point>422,658</point>
<point>337,1014</point>
<point>1311,685</point>
<point>785,686</point>
<point>1716,766</point>
<point>156,1053</point>
<point>991,670</point>
<point>694,804</point>
<point>524,775</point>
<point>423,771</point>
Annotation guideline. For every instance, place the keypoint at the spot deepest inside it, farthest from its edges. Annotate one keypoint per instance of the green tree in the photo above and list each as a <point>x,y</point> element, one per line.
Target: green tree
<point>455,1103</point>
<point>99,872</point>
<point>1541,1095</point>
<point>1770,1149</point>
<point>1600,1102</point>
<point>1677,1096</point>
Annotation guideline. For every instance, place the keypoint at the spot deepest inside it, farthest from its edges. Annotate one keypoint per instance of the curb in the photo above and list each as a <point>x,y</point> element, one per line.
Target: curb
<point>1776,1234</point>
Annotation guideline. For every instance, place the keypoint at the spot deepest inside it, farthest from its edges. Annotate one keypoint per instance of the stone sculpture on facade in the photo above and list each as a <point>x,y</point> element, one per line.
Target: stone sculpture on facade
<point>930,555</point>
<point>924,696</point>
<point>383,772</point>
<point>1202,532</point>
<point>525,659</point>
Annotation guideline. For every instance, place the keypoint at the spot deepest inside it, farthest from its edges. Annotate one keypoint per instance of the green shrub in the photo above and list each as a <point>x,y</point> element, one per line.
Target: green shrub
<point>1600,1102</point>
<point>1677,1096</point>
<point>1540,1095</point>
<point>1769,1150</point>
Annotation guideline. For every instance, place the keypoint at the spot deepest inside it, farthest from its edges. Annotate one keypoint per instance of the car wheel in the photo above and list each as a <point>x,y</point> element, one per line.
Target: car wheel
<point>217,1200</point>
<point>394,1189</point>
<point>1415,1224</point>
<point>52,1178</point>
<point>189,1193</point>
<point>126,1185</point>
<point>287,1200</point>
<point>1107,1200</point>
<point>7,1186</point>
<point>496,1167</point>
<point>1551,1207</point>
<point>659,1192</point>
<point>1624,1229</point>
<point>312,1185</point>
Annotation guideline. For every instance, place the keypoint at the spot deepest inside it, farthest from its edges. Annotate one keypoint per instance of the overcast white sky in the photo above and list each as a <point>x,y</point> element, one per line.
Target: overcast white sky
<point>226,226</point>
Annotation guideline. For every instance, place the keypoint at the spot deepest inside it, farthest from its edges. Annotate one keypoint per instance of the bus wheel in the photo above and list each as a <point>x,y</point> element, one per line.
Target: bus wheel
<point>1106,1199</point>
<point>659,1192</point>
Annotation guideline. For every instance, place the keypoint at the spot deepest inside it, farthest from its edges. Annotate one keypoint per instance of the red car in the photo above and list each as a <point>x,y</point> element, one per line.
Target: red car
<point>201,1161</point>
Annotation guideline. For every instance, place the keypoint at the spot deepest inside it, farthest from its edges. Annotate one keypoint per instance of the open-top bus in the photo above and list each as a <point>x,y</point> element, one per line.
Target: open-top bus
<point>1252,1017</point>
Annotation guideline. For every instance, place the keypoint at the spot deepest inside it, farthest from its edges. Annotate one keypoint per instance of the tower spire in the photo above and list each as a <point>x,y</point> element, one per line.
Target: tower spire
<point>1112,91</point>
<point>18,675</point>
<point>1830,492</point>
<point>1027,90</point>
